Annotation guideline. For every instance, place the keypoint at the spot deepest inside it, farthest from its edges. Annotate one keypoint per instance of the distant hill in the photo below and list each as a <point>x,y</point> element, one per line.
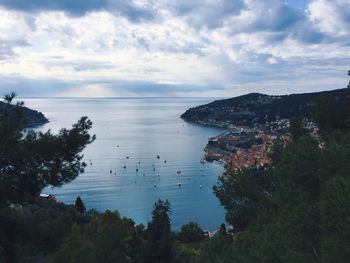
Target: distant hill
<point>32,117</point>
<point>256,108</point>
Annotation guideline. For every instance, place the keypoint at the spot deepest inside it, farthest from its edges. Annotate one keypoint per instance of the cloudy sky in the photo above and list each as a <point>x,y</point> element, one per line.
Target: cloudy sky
<point>173,47</point>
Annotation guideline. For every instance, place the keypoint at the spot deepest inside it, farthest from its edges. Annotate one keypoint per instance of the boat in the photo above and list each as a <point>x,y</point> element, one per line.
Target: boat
<point>179,184</point>
<point>158,157</point>
<point>164,161</point>
<point>178,172</point>
<point>137,169</point>
<point>127,157</point>
<point>110,171</point>
<point>155,186</point>
<point>200,186</point>
<point>124,167</point>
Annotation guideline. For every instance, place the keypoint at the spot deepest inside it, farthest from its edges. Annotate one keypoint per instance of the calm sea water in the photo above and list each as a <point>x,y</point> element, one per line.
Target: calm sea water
<point>143,128</point>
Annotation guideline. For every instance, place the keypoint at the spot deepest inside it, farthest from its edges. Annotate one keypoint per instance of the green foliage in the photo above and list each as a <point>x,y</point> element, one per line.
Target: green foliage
<point>79,205</point>
<point>296,128</point>
<point>190,233</point>
<point>9,97</point>
<point>159,234</point>
<point>33,229</point>
<point>105,238</point>
<point>30,161</point>
<point>241,194</point>
<point>331,113</point>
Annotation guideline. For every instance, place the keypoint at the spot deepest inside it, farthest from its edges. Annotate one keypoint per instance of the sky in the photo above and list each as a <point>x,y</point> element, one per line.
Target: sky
<point>208,48</point>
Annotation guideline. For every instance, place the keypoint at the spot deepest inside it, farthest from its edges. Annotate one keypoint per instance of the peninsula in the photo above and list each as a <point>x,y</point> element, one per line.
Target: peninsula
<point>32,118</point>
<point>257,110</point>
<point>253,122</point>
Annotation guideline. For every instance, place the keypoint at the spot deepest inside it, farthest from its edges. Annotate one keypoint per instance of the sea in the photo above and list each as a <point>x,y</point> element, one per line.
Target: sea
<point>161,154</point>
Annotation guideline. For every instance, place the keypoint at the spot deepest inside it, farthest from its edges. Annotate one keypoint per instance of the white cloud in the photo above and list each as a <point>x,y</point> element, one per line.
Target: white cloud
<point>232,45</point>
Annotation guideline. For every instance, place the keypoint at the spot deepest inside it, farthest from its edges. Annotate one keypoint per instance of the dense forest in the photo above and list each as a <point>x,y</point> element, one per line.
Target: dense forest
<point>297,210</point>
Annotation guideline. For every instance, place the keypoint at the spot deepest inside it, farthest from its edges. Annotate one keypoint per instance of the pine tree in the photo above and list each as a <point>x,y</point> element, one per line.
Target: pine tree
<point>79,205</point>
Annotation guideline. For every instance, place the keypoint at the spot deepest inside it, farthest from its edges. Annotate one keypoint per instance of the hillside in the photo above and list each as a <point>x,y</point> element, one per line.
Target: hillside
<point>256,109</point>
<point>32,117</point>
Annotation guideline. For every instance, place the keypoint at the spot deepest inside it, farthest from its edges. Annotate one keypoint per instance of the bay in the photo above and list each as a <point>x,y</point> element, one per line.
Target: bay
<point>141,129</point>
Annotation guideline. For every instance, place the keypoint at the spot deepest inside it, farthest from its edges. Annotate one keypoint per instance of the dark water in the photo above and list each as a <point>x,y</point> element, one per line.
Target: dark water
<point>143,128</point>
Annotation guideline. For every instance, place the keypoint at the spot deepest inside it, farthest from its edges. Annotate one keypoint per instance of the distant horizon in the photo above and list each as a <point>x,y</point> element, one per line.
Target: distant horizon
<point>165,97</point>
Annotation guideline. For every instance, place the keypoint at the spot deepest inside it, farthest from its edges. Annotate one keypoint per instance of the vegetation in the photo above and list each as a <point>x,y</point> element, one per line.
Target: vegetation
<point>256,109</point>
<point>30,161</point>
<point>298,210</point>
<point>79,205</point>
<point>30,117</point>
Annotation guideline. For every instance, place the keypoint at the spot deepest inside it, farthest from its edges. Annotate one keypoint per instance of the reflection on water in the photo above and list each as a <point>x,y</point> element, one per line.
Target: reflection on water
<point>164,158</point>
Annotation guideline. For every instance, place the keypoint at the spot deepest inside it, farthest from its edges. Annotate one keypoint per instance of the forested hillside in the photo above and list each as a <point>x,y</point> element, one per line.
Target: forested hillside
<point>255,108</point>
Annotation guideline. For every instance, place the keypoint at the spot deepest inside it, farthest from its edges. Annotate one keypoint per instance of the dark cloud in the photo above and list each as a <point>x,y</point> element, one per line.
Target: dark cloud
<point>80,7</point>
<point>207,13</point>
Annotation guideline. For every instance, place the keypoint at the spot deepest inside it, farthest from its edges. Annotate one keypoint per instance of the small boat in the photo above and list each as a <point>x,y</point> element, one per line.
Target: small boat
<point>155,186</point>
<point>139,162</point>
<point>158,157</point>
<point>200,186</point>
<point>124,167</point>
<point>127,157</point>
<point>178,172</point>
<point>110,171</point>
<point>137,169</point>
<point>179,184</point>
<point>154,169</point>
<point>189,178</point>
<point>117,146</point>
<point>164,161</point>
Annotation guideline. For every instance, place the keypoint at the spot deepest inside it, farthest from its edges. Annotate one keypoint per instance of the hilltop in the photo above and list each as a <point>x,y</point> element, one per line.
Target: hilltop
<point>32,117</point>
<point>256,109</point>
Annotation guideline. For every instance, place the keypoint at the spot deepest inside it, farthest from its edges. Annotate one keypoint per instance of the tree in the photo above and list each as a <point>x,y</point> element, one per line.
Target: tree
<point>241,193</point>
<point>190,233</point>
<point>79,205</point>
<point>332,113</point>
<point>159,234</point>
<point>30,160</point>
<point>296,128</point>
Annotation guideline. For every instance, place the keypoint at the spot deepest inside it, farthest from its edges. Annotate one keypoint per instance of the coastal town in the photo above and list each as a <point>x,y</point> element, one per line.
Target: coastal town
<point>242,147</point>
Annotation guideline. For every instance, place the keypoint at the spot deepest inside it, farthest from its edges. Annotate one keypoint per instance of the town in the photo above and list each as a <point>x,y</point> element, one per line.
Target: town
<point>243,147</point>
